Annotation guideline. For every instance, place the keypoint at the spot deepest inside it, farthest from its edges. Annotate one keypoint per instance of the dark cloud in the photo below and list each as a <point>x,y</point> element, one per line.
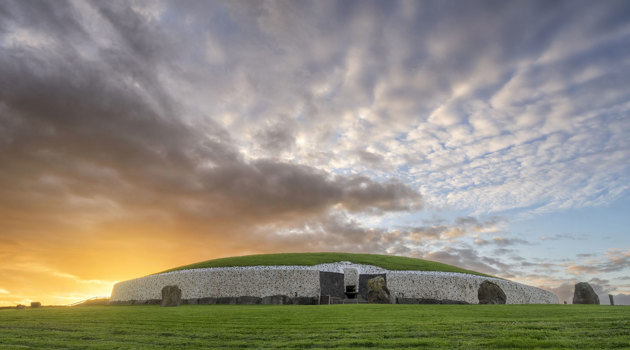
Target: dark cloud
<point>504,242</point>
<point>503,251</point>
<point>277,138</point>
<point>374,159</point>
<point>107,129</point>
<point>241,127</point>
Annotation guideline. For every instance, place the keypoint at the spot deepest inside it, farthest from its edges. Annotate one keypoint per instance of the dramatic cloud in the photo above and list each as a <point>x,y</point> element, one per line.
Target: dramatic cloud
<point>154,134</point>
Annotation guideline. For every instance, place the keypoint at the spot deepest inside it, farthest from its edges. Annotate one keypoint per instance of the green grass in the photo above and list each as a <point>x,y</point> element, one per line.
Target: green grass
<point>389,262</point>
<point>323,327</point>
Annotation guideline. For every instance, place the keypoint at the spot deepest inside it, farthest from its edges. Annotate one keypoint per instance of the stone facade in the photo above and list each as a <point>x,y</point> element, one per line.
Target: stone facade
<point>460,287</point>
<point>350,277</point>
<point>305,285</point>
<point>204,283</point>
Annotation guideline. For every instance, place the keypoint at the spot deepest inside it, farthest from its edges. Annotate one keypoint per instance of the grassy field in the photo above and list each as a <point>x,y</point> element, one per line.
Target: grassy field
<point>389,262</point>
<point>330,326</point>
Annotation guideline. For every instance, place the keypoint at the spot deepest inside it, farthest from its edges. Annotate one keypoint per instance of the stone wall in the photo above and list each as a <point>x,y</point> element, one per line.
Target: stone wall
<point>459,287</point>
<point>204,283</point>
<point>303,284</point>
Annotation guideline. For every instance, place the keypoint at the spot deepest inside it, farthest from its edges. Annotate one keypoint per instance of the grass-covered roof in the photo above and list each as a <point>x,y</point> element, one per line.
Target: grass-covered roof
<point>389,262</point>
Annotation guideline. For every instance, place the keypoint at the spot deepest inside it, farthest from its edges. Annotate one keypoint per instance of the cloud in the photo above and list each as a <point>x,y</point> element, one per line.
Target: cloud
<point>561,236</point>
<point>331,98</point>
<point>614,260</point>
<point>102,155</point>
<point>113,138</point>
<point>471,259</point>
<point>601,287</point>
<point>564,292</point>
<point>501,241</point>
<point>137,130</point>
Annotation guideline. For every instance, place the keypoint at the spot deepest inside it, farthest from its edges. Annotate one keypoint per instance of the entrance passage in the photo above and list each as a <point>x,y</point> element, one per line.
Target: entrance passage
<point>351,292</point>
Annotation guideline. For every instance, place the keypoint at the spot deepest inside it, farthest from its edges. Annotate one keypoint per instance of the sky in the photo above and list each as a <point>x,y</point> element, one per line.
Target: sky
<point>136,136</point>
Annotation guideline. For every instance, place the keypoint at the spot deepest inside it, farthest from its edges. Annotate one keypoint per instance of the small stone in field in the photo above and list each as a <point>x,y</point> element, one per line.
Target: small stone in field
<point>171,296</point>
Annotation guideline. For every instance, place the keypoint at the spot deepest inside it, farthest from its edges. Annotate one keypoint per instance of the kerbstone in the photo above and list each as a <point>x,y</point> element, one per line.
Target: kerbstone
<point>584,294</point>
<point>377,292</point>
<point>490,293</point>
<point>171,296</point>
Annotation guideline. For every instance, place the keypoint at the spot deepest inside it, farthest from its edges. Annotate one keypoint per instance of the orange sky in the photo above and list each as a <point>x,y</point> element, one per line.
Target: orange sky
<point>87,262</point>
<point>141,136</point>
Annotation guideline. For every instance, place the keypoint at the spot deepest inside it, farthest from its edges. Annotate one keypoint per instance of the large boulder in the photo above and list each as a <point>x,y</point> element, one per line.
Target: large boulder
<point>584,294</point>
<point>171,296</point>
<point>35,304</point>
<point>377,292</point>
<point>490,293</point>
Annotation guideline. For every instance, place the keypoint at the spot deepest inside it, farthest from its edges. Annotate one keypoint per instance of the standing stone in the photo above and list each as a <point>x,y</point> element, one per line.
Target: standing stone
<point>35,304</point>
<point>612,299</point>
<point>490,293</point>
<point>171,296</point>
<point>584,294</point>
<point>377,292</point>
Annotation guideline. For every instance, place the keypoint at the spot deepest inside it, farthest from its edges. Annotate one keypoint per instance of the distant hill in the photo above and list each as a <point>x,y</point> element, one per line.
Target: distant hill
<point>389,262</point>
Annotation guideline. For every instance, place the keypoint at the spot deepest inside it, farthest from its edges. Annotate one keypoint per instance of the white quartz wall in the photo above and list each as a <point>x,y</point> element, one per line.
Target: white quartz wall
<point>303,281</point>
<point>222,283</point>
<point>459,286</point>
<point>351,277</point>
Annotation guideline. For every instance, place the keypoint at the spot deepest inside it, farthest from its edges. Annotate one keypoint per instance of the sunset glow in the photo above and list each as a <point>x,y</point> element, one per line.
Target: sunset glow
<point>137,136</point>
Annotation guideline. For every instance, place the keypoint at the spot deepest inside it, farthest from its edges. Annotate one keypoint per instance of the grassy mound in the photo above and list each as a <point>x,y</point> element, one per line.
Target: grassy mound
<point>389,262</point>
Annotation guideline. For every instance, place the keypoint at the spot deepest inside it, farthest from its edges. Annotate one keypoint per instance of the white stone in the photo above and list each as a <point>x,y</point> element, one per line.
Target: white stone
<point>303,281</point>
<point>350,277</point>
<point>460,286</point>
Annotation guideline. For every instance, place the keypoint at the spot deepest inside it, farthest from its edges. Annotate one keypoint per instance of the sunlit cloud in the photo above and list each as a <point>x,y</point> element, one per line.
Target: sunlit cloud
<point>138,136</point>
